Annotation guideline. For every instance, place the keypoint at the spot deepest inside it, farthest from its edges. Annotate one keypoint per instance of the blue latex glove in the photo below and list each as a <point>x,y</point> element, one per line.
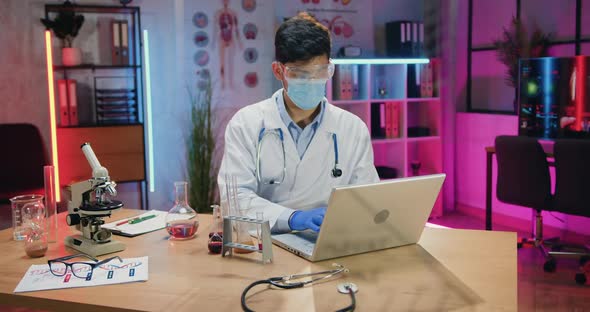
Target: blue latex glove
<point>307,219</point>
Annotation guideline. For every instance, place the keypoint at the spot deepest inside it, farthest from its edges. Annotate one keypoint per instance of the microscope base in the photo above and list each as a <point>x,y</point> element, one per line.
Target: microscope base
<point>92,248</point>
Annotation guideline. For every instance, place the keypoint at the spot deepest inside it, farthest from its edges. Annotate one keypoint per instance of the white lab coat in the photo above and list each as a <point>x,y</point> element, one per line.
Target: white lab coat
<point>308,181</point>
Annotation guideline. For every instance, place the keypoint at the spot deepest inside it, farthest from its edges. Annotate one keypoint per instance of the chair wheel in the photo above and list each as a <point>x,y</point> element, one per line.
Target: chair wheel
<point>550,265</point>
<point>580,278</point>
<point>583,260</point>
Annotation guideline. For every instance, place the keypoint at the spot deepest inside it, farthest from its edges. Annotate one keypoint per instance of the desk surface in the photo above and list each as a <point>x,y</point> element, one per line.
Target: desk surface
<point>460,270</point>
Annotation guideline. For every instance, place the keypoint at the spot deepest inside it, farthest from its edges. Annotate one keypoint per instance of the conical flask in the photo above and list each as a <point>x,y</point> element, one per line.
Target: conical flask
<point>182,221</point>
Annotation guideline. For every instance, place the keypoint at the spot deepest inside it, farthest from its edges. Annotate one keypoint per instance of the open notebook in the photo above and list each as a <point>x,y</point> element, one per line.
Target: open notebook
<point>130,230</point>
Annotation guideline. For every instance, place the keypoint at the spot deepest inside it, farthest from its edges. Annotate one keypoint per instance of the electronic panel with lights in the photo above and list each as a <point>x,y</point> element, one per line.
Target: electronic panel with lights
<point>552,97</point>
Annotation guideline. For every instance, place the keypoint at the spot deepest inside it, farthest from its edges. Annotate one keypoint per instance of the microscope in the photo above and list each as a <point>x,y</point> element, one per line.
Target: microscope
<point>89,202</point>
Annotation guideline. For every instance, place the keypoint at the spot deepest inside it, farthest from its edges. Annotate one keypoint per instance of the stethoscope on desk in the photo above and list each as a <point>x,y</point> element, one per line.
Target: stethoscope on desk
<point>294,281</point>
<point>336,172</point>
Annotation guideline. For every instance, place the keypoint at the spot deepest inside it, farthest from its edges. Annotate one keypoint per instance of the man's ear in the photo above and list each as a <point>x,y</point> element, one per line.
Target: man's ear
<point>277,70</point>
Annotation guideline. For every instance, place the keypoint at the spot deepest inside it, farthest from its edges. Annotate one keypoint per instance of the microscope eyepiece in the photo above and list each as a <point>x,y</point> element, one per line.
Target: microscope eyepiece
<point>90,156</point>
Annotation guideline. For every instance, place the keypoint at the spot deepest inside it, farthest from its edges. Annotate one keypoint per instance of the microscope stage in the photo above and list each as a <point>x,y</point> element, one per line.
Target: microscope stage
<point>92,248</point>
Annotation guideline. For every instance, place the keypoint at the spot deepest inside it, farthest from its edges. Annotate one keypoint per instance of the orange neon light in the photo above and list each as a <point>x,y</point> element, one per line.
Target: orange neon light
<point>52,126</point>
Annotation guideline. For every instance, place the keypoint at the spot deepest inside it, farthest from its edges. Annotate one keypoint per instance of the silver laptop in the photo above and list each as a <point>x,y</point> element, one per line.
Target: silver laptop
<point>363,218</point>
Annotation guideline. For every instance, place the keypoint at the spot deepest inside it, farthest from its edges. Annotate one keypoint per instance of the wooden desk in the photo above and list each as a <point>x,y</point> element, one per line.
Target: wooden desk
<point>458,270</point>
<point>490,151</point>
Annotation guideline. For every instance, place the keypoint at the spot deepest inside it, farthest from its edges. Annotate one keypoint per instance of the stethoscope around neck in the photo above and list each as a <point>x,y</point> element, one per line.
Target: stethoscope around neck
<point>336,172</point>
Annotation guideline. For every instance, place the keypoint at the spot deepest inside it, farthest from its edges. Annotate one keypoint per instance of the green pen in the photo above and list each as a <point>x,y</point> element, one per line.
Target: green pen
<point>137,220</point>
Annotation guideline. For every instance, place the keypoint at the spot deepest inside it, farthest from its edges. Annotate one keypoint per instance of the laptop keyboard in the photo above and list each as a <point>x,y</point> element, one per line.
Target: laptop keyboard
<point>309,236</point>
<point>302,241</point>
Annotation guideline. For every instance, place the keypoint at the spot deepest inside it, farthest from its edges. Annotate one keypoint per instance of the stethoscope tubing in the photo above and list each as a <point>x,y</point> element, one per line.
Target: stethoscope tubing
<point>336,172</point>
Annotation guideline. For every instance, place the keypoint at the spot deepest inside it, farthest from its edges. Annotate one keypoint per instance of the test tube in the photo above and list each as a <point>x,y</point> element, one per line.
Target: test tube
<point>228,195</point>
<point>235,195</point>
<point>50,204</point>
<point>259,217</point>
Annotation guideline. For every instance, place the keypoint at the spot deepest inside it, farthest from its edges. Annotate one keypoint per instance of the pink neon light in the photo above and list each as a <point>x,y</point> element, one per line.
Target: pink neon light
<point>52,126</point>
<point>580,91</point>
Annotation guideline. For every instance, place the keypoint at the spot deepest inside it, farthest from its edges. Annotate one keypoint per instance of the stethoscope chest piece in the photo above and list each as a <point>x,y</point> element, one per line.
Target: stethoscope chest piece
<point>343,288</point>
<point>336,172</point>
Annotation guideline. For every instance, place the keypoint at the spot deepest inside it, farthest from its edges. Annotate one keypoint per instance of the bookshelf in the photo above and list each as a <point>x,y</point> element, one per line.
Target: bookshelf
<point>110,45</point>
<point>399,101</point>
<point>100,100</point>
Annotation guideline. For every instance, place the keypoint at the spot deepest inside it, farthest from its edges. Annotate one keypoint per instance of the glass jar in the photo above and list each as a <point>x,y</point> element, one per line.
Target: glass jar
<point>182,221</point>
<point>17,204</point>
<point>35,228</point>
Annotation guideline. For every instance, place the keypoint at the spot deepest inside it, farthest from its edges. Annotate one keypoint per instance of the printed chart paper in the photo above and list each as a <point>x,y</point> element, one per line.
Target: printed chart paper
<point>38,277</point>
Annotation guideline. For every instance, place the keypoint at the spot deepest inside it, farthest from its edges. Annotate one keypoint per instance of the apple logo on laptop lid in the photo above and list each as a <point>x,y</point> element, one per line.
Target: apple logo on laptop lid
<point>381,216</point>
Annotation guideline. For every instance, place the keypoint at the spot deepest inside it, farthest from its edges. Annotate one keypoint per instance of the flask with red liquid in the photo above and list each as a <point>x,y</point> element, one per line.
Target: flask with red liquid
<point>182,221</point>
<point>215,243</point>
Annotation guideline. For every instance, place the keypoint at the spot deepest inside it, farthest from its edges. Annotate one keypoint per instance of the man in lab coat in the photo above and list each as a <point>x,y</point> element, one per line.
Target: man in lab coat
<point>286,153</point>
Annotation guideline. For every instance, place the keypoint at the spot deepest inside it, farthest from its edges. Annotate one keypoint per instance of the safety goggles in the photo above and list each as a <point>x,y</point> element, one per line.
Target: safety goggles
<point>319,72</point>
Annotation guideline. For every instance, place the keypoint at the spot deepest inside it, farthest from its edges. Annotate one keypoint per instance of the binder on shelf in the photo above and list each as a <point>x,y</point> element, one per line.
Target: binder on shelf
<point>68,106</point>
<point>116,47</point>
<point>343,88</point>
<point>337,82</point>
<point>124,42</point>
<point>73,102</point>
<point>62,94</point>
<point>388,123</point>
<point>348,82</point>
<point>404,38</point>
<point>355,81</point>
<point>396,34</point>
<point>426,81</point>
<point>435,65</point>
<point>378,120</point>
<point>395,116</point>
<point>403,34</point>
<point>413,81</point>
<point>415,40</point>
<point>392,120</point>
<point>421,37</point>
<point>407,48</point>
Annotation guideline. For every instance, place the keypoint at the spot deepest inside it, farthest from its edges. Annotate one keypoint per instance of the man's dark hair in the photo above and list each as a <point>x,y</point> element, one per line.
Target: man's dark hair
<point>301,38</point>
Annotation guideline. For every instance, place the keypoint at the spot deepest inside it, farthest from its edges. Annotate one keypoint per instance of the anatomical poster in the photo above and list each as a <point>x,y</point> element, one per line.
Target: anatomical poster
<point>348,20</point>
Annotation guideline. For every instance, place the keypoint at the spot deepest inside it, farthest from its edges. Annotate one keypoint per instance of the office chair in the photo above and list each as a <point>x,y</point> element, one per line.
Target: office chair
<point>21,161</point>
<point>524,180</point>
<point>572,192</point>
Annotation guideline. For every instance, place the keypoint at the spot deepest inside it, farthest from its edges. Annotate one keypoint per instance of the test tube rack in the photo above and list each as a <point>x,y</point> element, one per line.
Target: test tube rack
<point>228,245</point>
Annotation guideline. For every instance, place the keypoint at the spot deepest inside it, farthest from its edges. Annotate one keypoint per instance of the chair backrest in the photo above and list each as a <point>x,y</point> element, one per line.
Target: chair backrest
<point>523,173</point>
<point>22,158</point>
<point>572,176</point>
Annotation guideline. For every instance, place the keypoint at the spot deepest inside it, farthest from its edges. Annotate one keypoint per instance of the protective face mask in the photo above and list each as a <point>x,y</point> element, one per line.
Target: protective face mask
<point>306,93</point>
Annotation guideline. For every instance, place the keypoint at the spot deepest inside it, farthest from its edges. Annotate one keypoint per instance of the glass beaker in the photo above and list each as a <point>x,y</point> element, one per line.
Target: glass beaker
<point>17,203</point>
<point>182,221</point>
<point>34,223</point>
<point>215,242</point>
